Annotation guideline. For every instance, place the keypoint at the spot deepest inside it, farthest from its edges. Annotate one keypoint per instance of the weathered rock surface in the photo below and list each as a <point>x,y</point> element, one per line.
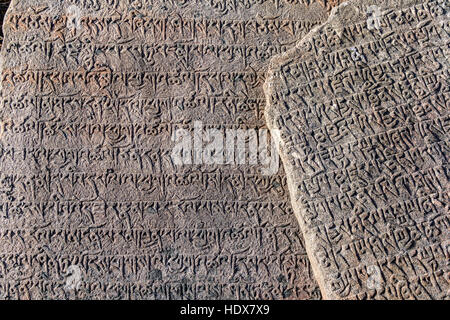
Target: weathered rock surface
<point>361,110</point>
<point>3,7</point>
<point>91,203</point>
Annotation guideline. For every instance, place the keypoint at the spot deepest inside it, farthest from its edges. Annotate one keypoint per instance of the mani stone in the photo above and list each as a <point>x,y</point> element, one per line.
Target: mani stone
<point>360,107</point>
<point>92,205</point>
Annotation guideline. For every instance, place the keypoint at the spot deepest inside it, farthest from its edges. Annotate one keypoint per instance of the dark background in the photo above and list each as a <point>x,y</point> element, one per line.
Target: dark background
<point>3,6</point>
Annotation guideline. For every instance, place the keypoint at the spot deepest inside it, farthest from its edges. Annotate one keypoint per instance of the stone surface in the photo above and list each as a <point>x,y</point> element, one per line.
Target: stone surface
<point>92,204</point>
<point>361,106</point>
<point>3,7</point>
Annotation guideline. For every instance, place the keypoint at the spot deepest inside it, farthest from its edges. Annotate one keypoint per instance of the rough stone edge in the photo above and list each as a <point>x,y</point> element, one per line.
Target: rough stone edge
<point>12,5</point>
<point>275,62</point>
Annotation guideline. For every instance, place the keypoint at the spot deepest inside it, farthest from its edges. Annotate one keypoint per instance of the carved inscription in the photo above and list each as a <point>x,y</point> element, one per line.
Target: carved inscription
<point>92,204</point>
<point>362,109</point>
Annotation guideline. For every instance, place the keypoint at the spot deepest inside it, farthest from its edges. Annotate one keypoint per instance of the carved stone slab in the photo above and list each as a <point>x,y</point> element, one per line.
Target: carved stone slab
<point>92,204</point>
<point>361,110</point>
<point>3,7</point>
